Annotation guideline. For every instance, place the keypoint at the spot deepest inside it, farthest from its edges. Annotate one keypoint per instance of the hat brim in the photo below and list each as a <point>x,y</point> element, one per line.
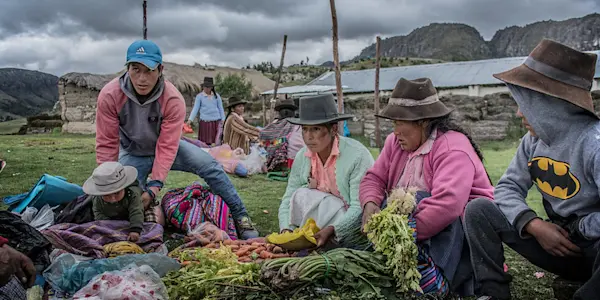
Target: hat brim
<point>300,121</point>
<point>150,64</point>
<point>525,77</point>
<point>414,113</point>
<point>90,188</point>
<point>283,106</point>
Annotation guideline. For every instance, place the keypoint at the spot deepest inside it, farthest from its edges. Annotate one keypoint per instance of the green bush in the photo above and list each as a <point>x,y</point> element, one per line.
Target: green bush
<point>233,85</point>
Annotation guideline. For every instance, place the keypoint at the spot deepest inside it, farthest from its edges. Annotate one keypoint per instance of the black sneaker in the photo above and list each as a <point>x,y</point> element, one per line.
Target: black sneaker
<point>245,228</point>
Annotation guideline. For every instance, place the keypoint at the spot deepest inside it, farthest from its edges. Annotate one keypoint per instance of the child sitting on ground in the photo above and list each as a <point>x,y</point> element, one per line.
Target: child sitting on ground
<point>117,196</point>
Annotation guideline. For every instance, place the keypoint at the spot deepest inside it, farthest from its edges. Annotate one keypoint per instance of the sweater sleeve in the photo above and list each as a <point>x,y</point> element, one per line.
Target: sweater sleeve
<point>107,128</point>
<point>512,189</point>
<point>589,225</point>
<point>196,108</point>
<point>220,107</point>
<point>136,210</point>
<point>373,186</point>
<point>294,183</point>
<point>348,224</point>
<point>240,126</point>
<point>449,193</point>
<point>168,140</point>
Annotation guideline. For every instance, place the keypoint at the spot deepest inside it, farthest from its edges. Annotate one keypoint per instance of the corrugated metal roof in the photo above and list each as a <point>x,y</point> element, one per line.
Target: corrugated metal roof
<point>444,75</point>
<point>301,89</point>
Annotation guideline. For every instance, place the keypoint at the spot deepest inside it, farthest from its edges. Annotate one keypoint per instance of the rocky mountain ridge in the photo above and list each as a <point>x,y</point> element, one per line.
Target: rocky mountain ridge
<point>26,93</point>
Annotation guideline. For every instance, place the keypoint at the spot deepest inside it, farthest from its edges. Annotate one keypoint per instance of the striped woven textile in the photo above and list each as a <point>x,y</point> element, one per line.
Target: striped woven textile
<point>432,279</point>
<point>186,208</point>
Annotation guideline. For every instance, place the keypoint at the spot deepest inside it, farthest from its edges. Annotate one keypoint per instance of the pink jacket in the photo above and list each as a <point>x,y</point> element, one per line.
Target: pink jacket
<point>453,173</point>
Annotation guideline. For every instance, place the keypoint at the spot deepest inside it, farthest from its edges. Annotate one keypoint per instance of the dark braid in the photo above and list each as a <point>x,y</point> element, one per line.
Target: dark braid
<point>445,124</point>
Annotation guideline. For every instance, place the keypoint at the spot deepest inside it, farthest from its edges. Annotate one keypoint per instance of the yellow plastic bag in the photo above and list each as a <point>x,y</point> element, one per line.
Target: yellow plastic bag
<point>300,239</point>
<point>122,248</point>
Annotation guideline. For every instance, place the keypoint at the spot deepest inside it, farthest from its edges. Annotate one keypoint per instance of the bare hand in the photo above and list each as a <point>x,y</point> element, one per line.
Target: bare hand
<point>147,199</point>
<point>553,238</point>
<point>324,235</point>
<point>13,262</point>
<point>370,209</point>
<point>285,230</point>
<point>189,123</point>
<point>134,237</point>
<point>312,183</point>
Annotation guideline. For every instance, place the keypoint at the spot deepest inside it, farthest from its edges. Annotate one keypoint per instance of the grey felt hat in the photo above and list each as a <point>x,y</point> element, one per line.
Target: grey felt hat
<point>318,110</point>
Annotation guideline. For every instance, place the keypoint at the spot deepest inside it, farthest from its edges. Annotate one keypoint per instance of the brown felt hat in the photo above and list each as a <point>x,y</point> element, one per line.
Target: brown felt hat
<point>556,70</point>
<point>414,100</point>
<point>233,101</point>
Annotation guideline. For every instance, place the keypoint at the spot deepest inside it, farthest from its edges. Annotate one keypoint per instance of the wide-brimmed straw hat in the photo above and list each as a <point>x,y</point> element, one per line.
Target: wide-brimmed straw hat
<point>233,101</point>
<point>413,100</point>
<point>556,70</point>
<point>318,110</point>
<point>286,103</point>
<point>109,178</point>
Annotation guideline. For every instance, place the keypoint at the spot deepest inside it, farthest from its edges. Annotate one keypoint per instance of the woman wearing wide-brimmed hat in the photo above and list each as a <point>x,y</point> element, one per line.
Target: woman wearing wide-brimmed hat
<point>323,182</point>
<point>209,107</point>
<point>429,152</point>
<point>281,134</point>
<point>236,131</point>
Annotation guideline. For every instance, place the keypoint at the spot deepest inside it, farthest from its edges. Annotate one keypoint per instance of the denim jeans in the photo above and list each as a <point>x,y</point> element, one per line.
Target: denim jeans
<point>192,159</point>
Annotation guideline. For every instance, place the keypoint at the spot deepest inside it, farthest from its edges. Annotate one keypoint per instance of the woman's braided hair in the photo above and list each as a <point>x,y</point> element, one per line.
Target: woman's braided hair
<point>445,124</point>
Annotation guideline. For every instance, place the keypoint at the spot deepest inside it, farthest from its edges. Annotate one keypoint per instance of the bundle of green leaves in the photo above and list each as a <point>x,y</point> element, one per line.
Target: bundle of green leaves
<point>391,235</point>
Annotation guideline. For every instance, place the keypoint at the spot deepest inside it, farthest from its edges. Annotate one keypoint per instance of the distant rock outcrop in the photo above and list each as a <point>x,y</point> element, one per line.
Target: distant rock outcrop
<point>25,93</point>
<point>458,42</point>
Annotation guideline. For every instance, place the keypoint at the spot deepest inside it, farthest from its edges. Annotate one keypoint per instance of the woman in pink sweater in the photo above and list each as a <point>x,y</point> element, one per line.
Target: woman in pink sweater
<point>429,152</point>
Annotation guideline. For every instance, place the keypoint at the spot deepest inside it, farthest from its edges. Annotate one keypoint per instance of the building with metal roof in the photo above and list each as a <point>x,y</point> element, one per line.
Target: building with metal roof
<point>303,90</point>
<point>472,78</point>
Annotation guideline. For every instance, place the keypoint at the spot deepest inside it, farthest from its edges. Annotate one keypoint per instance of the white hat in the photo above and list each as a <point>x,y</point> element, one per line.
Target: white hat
<point>109,178</point>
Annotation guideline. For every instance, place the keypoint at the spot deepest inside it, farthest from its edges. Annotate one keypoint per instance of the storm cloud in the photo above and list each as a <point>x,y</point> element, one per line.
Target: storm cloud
<point>59,36</point>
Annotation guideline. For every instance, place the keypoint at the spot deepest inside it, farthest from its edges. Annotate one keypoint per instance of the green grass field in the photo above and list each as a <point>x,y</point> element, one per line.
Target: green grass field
<point>72,157</point>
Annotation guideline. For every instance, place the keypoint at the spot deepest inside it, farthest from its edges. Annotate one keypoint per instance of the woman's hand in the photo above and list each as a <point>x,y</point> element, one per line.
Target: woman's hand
<point>553,238</point>
<point>189,122</point>
<point>324,235</point>
<point>133,237</point>
<point>370,209</point>
<point>285,230</point>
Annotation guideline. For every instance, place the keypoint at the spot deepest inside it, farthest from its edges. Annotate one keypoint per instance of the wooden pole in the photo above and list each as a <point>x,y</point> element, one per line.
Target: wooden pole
<point>278,79</point>
<point>336,61</point>
<point>145,28</point>
<point>377,66</point>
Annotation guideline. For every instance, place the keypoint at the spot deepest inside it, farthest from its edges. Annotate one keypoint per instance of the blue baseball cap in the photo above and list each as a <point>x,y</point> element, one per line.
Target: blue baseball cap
<point>145,52</point>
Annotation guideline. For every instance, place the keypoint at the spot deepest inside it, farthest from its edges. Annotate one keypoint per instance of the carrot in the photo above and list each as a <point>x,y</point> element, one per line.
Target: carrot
<point>234,247</point>
<point>204,241</point>
<point>245,259</point>
<point>211,246</point>
<point>261,240</point>
<point>266,254</point>
<point>228,242</point>
<point>242,252</point>
<point>281,255</point>
<point>257,244</point>
<point>187,262</point>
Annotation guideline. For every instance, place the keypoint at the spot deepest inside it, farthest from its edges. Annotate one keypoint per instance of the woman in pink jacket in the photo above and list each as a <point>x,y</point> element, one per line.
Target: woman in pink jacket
<point>429,152</point>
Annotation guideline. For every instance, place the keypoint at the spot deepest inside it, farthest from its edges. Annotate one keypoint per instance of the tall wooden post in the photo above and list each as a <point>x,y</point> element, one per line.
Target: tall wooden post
<point>336,62</point>
<point>278,79</point>
<point>377,66</point>
<point>145,28</point>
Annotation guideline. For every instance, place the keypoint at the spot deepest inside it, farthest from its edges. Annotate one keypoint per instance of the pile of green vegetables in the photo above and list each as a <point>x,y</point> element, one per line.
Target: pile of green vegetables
<point>208,273</point>
<point>393,237</point>
<point>342,268</point>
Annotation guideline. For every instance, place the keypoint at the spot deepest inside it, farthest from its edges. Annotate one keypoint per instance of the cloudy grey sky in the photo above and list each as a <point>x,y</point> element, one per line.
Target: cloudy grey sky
<point>59,36</point>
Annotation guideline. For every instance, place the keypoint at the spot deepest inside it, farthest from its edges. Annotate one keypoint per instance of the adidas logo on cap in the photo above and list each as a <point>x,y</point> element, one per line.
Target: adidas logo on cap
<point>140,50</point>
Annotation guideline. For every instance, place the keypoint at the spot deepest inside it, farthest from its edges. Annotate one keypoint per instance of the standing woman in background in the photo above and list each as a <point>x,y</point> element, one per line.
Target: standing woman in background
<point>211,114</point>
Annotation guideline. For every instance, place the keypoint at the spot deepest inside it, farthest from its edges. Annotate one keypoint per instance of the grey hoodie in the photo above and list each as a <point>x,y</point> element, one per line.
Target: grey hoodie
<point>563,161</point>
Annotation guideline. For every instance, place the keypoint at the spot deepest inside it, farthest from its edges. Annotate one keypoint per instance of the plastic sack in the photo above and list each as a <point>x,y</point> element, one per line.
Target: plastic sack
<point>135,282</point>
<point>39,220</point>
<point>300,239</point>
<point>209,232</point>
<point>255,161</point>
<point>67,275</point>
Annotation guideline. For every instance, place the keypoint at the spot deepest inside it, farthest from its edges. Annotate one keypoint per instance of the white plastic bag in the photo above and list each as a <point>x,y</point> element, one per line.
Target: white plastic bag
<point>39,220</point>
<point>255,161</point>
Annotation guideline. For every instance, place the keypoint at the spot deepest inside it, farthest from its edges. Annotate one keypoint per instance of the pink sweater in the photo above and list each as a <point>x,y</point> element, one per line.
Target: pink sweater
<point>453,174</point>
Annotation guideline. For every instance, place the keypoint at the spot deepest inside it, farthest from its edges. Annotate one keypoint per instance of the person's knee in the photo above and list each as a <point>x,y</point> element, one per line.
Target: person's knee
<point>479,207</point>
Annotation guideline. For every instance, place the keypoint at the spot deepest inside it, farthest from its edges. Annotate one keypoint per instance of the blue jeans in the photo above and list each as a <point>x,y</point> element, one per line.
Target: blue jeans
<point>192,159</point>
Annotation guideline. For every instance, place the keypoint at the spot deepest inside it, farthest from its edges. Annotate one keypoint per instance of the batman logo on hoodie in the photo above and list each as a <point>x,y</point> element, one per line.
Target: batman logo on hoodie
<point>554,177</point>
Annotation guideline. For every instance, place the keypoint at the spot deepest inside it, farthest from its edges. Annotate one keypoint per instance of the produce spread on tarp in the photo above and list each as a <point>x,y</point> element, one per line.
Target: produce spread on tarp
<point>94,259</point>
